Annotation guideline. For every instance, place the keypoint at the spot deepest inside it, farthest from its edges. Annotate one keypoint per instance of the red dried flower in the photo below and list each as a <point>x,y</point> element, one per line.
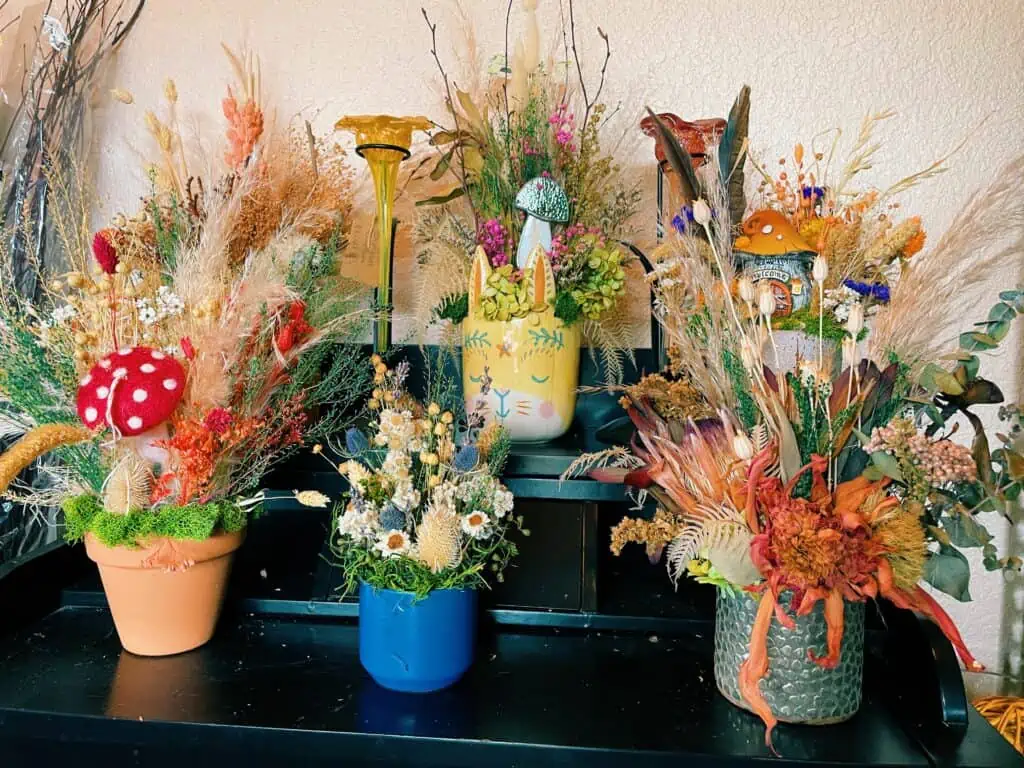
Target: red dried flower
<point>104,252</point>
<point>295,329</point>
<point>218,421</point>
<point>187,349</point>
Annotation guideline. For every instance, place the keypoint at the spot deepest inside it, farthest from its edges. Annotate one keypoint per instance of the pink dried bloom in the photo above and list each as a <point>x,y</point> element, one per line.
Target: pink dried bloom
<point>939,461</point>
<point>563,124</point>
<point>493,238</point>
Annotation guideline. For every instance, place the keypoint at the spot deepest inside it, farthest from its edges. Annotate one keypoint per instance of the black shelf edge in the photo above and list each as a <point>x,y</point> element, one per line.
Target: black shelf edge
<point>503,617</point>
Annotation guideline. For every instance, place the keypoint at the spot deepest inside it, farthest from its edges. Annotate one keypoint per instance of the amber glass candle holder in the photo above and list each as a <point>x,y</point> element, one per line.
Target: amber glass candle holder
<point>383,141</point>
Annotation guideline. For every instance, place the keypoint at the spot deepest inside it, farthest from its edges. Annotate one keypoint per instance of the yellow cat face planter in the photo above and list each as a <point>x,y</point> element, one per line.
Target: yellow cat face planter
<point>521,372</point>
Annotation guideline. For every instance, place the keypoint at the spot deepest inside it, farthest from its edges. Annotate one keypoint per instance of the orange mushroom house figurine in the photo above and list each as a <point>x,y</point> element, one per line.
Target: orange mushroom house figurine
<point>771,249</point>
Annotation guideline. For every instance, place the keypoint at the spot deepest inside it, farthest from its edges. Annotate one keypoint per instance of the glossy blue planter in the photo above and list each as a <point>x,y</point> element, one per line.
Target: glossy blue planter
<point>416,646</point>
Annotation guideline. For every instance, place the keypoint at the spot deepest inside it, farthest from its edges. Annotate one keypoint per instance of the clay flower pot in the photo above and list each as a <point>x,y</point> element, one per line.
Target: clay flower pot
<point>165,597</point>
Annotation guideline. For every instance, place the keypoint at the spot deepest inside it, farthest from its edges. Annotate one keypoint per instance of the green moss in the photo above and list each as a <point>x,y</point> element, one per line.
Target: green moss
<point>85,514</point>
<point>453,308</point>
<point>807,321</point>
<point>567,309</point>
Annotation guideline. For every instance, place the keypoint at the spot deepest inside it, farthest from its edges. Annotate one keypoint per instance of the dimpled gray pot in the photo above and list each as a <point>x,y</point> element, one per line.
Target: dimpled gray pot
<point>796,689</point>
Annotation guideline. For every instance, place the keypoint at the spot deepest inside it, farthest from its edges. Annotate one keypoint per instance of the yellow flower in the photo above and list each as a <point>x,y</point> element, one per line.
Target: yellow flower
<point>120,94</point>
<point>433,409</point>
<point>440,429</point>
<point>447,418</point>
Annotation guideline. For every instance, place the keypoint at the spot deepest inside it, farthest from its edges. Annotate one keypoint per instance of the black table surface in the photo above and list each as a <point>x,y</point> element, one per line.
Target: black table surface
<point>291,691</point>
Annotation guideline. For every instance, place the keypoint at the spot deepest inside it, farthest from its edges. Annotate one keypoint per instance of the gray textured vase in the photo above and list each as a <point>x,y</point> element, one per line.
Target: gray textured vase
<point>792,346</point>
<point>796,689</point>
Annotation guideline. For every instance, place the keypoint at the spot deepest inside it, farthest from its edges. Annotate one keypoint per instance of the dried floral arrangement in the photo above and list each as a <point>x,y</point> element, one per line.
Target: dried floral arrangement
<point>818,199</point>
<point>826,483</point>
<point>55,56</point>
<point>860,231</point>
<point>425,508</point>
<point>185,350</point>
<point>524,147</point>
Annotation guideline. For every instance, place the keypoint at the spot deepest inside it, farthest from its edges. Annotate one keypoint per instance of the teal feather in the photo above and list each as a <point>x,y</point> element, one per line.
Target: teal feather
<point>679,159</point>
<point>730,151</point>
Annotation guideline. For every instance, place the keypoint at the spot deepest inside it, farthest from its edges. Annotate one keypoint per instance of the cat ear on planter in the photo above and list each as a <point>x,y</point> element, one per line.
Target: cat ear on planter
<point>478,275</point>
<point>542,279</point>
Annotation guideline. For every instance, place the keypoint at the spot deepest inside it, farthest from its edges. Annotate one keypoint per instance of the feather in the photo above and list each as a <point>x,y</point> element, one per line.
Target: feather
<point>679,159</point>
<point>721,529</point>
<point>762,438</point>
<point>731,152</point>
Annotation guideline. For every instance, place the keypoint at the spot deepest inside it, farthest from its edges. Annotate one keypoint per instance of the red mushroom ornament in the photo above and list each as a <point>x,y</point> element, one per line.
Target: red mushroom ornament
<point>132,390</point>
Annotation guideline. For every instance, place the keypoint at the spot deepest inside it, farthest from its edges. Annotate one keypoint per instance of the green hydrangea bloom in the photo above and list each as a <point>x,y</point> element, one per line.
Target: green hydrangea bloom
<point>505,298</point>
<point>604,280</point>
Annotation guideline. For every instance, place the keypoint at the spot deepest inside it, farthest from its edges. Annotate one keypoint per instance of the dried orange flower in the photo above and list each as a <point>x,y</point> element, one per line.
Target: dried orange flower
<point>245,126</point>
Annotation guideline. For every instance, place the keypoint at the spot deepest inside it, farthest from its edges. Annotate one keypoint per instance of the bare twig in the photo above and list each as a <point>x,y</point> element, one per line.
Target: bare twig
<point>507,66</point>
<point>587,102</point>
<point>576,56</point>
<point>604,66</point>
<point>314,156</point>
<point>565,48</point>
<point>457,146</point>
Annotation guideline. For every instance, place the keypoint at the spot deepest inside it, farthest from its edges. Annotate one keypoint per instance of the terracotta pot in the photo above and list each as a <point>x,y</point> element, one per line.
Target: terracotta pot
<point>165,597</point>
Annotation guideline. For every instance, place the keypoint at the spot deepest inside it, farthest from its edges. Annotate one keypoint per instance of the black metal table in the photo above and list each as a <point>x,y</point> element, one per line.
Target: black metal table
<point>584,660</point>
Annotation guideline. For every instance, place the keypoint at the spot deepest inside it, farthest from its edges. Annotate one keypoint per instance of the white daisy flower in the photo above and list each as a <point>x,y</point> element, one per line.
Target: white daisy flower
<point>394,543</point>
<point>475,524</point>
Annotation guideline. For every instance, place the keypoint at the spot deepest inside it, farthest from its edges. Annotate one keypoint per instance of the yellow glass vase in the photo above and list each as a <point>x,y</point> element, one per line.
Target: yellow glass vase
<point>522,372</point>
<point>383,141</point>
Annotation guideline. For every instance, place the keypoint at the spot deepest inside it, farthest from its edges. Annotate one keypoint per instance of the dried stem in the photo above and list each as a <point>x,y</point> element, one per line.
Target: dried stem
<point>508,68</point>
<point>457,147</point>
<point>587,102</point>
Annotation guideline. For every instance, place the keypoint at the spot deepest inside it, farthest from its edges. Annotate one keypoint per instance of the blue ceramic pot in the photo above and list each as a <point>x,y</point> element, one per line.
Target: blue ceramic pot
<point>416,646</point>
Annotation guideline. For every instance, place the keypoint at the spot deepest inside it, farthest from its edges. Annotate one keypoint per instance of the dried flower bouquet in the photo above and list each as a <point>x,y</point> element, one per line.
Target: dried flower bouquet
<point>425,510</point>
<point>835,481</point>
<point>187,348</point>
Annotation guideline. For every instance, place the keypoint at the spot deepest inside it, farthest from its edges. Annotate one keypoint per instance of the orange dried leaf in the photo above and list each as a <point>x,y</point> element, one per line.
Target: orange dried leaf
<point>755,667</point>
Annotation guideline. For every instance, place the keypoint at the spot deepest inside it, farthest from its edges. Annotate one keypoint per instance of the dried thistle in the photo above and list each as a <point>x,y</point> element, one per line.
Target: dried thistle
<point>438,539</point>
<point>128,486</point>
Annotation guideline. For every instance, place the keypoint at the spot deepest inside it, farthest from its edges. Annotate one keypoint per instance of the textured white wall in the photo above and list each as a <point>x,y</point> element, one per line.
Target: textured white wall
<point>945,66</point>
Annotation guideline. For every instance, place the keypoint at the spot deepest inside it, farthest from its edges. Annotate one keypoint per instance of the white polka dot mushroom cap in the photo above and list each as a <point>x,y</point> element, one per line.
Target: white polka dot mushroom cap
<point>138,387</point>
